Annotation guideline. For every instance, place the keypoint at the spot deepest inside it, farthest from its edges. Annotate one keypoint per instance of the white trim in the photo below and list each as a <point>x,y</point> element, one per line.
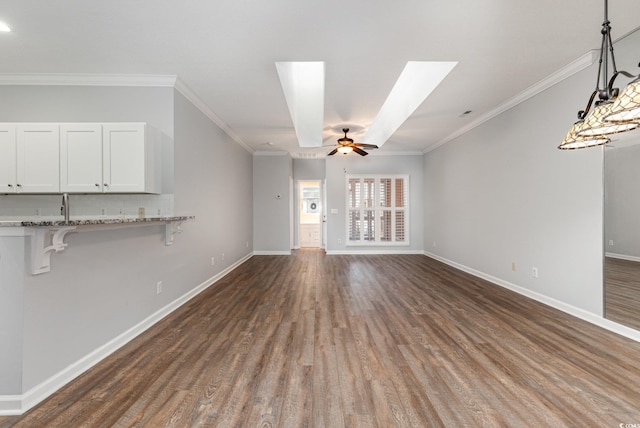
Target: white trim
<point>181,87</point>
<point>10,405</point>
<point>622,257</point>
<point>376,251</point>
<point>567,71</point>
<point>18,404</point>
<point>270,153</point>
<point>272,253</point>
<point>88,79</point>
<point>564,307</point>
<point>396,153</point>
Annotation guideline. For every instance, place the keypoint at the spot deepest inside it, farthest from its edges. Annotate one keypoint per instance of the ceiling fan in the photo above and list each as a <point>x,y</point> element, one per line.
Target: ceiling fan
<point>346,146</point>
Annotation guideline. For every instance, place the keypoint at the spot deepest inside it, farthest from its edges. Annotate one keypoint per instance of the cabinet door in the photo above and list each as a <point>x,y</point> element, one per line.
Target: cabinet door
<point>81,157</point>
<point>7,159</point>
<point>38,154</point>
<point>123,148</point>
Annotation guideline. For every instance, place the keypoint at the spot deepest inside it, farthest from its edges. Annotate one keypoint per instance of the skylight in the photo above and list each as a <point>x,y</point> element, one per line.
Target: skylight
<point>416,82</point>
<point>303,87</point>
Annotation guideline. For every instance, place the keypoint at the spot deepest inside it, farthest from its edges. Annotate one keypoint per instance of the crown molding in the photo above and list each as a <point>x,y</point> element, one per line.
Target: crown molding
<point>270,153</point>
<point>181,87</point>
<point>87,79</point>
<point>567,71</point>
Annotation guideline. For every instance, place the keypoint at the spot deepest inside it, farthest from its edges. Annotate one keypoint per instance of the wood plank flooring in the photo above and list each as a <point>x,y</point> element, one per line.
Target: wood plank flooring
<point>622,291</point>
<point>311,340</point>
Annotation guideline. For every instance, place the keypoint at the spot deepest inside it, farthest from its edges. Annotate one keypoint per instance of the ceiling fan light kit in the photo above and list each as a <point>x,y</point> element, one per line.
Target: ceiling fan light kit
<point>346,146</point>
<point>614,111</point>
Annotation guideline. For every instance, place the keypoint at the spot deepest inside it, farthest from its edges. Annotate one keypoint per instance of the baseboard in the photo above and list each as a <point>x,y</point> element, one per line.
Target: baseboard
<point>10,405</point>
<point>365,252</point>
<point>18,404</point>
<point>564,307</point>
<point>272,253</point>
<point>622,257</point>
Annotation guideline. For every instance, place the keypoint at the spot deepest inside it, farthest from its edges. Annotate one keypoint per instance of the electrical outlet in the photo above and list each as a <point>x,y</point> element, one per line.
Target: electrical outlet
<point>38,212</point>
<point>434,244</point>
<point>213,261</point>
<point>103,211</point>
<point>534,272</point>
<point>513,266</point>
<point>247,244</point>
<point>222,256</point>
<point>339,241</point>
<point>158,287</point>
<point>611,242</point>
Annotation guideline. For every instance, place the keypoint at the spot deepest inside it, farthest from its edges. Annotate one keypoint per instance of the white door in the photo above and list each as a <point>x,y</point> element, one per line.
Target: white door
<point>7,159</point>
<point>38,155</point>
<point>81,158</point>
<point>310,209</point>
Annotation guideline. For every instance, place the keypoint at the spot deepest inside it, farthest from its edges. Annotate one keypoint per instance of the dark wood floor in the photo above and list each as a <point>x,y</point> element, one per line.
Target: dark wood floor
<point>332,341</point>
<point>622,291</point>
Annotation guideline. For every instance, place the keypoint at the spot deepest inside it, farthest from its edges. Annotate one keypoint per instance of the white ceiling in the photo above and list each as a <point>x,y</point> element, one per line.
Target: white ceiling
<point>225,52</point>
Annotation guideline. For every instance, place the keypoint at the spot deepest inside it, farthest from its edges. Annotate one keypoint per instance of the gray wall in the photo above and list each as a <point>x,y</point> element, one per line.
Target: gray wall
<point>339,166</point>
<point>11,325</point>
<point>503,193</point>
<point>105,281</point>
<point>272,177</point>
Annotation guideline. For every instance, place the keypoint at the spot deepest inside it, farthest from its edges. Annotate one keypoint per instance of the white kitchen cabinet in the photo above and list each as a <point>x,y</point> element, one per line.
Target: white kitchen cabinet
<point>81,157</point>
<point>38,158</point>
<point>7,158</point>
<point>129,159</point>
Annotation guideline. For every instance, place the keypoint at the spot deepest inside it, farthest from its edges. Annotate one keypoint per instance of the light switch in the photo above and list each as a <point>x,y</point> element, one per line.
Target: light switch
<point>334,211</point>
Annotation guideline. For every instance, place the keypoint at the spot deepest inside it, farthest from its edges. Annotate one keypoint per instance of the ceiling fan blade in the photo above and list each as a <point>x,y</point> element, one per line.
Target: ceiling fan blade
<point>333,152</point>
<point>366,146</point>
<point>360,151</point>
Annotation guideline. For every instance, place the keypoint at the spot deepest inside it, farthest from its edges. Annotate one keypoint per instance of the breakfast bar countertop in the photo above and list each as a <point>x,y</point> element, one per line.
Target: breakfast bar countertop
<point>57,222</point>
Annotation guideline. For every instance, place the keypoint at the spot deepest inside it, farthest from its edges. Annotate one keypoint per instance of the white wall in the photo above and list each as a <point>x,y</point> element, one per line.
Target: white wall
<point>339,166</point>
<point>504,193</point>
<point>272,216</point>
<point>104,283</point>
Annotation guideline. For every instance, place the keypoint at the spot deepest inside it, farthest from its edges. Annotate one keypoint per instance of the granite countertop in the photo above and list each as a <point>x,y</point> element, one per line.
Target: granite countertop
<point>53,222</point>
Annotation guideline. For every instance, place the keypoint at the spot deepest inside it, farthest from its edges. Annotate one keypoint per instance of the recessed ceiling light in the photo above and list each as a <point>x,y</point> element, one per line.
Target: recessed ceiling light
<point>4,28</point>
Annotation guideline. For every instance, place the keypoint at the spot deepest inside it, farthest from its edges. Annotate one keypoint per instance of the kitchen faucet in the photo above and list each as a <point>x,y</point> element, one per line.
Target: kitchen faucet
<point>65,209</point>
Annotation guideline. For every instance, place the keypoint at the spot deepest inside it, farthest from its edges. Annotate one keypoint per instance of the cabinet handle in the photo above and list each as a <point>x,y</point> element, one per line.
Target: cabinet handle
<point>97,185</point>
<point>19,185</point>
<point>10,185</point>
<point>106,185</point>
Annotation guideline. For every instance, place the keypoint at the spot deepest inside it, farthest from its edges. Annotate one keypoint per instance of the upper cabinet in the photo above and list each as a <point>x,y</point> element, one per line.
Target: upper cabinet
<point>129,159</point>
<point>78,158</point>
<point>29,158</point>
<point>81,157</point>
<point>7,159</point>
<point>108,158</point>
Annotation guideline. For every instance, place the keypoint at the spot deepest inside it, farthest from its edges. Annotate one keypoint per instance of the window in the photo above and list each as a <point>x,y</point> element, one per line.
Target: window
<point>378,210</point>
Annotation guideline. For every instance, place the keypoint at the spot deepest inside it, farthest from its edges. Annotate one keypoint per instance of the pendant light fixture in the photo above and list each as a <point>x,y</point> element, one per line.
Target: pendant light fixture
<point>611,113</point>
